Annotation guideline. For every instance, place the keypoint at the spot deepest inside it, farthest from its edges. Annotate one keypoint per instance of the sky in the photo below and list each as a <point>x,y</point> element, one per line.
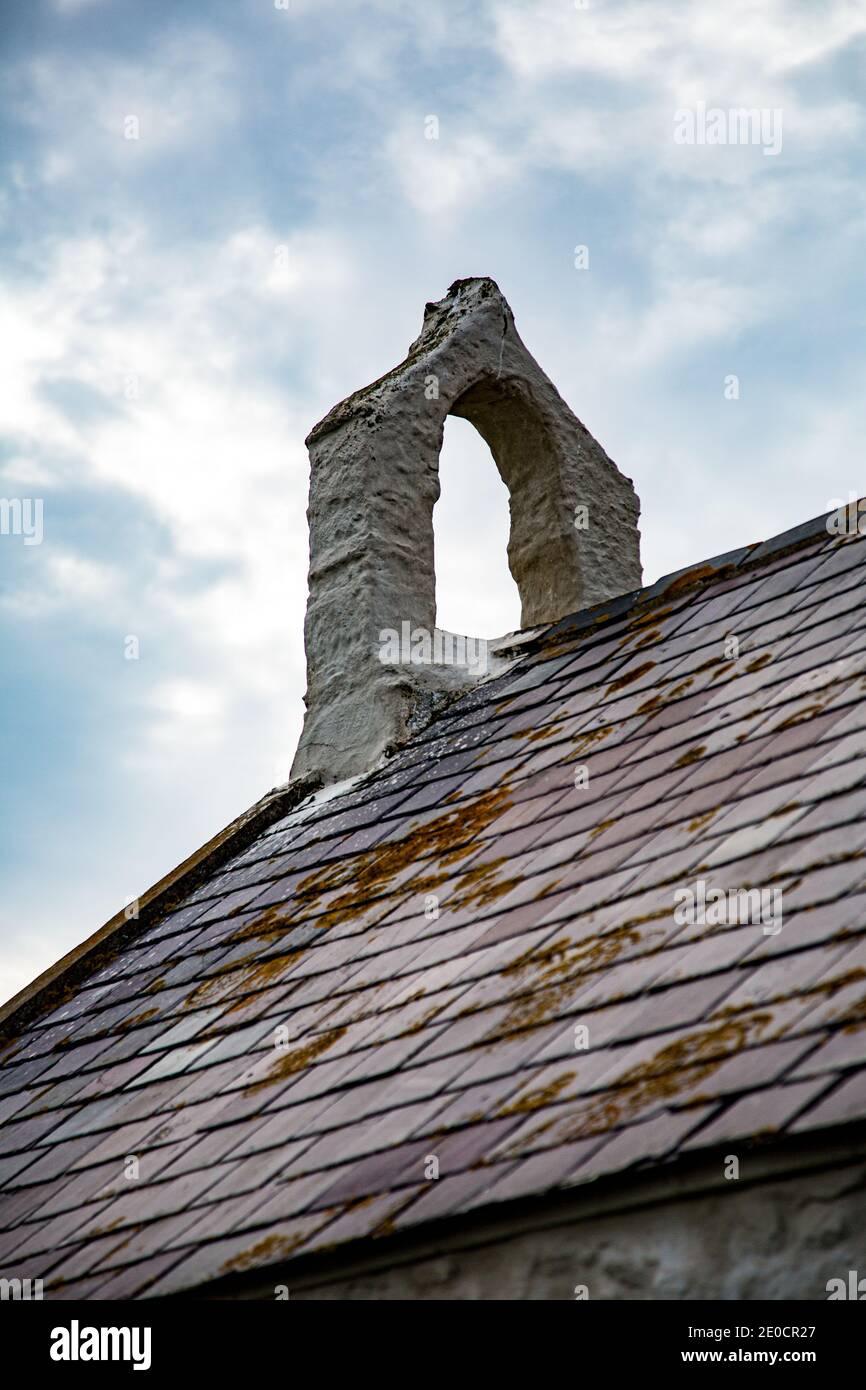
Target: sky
<point>217,220</point>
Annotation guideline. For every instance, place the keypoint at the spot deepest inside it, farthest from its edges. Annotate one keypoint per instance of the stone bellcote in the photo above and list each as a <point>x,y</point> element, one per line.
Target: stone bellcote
<point>374,480</point>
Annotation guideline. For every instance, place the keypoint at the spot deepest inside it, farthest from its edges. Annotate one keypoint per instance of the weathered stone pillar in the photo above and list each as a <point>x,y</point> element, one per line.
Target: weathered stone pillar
<point>374,481</point>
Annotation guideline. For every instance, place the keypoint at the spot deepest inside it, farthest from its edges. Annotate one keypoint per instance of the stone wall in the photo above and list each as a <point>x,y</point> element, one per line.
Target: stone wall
<point>781,1239</point>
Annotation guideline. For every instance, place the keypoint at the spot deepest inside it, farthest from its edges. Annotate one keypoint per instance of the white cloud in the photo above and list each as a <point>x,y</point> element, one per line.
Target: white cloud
<point>543,38</point>
<point>186,710</point>
<point>192,424</point>
<point>673,43</point>
<point>58,579</point>
<point>687,312</point>
<point>596,91</point>
<point>459,168</point>
<point>24,472</point>
<point>180,94</point>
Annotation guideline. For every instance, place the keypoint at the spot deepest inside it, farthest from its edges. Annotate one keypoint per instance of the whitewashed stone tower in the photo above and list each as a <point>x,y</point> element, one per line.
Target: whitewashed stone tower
<point>374,481</point>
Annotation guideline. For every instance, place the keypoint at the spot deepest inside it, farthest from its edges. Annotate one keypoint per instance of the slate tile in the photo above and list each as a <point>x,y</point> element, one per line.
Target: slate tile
<point>450,1195</point>
<point>456,1035</point>
<point>70,1227</point>
<point>23,1203</point>
<point>841,1050</point>
<point>543,1172</point>
<point>81,1260</point>
<point>236,1254</point>
<point>761,1113</point>
<point>379,1172</point>
<point>640,1143</point>
<point>133,1281</point>
<point>12,1165</point>
<point>843,1104</point>
<point>279,1131</point>
<point>282,1202</point>
<point>356,1223</point>
<point>784,975</point>
<point>365,1137</point>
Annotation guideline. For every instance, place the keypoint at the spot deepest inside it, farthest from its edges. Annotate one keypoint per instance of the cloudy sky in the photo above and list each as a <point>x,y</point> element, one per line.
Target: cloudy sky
<point>218,219</point>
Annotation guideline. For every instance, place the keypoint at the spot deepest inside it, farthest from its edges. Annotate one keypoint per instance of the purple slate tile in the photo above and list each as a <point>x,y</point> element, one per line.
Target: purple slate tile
<point>24,1134</point>
<point>757,1066</point>
<point>283,1126</point>
<point>677,1006</point>
<point>98,1147</point>
<point>639,1143</point>
<point>154,1238</point>
<point>82,1260</point>
<point>365,1137</point>
<point>841,1050</point>
<point>527,1177</point>
<point>148,1201</point>
<point>377,1173</point>
<point>842,1104</point>
<point>69,1228</point>
<point>717,951</point>
<point>284,1201</point>
<point>130,1282</point>
<point>784,976</point>
<point>456,1036</point>
<point>449,1195</point>
<point>471,1105</point>
<point>814,926</point>
<point>763,1112</point>
<point>75,1189</point>
<point>509,1057</point>
<point>468,1147</point>
<point>237,1254</point>
<point>80,1289</point>
<point>23,1203</point>
<point>360,1221</point>
<point>17,1076</point>
<point>12,1164</point>
<point>17,1238</point>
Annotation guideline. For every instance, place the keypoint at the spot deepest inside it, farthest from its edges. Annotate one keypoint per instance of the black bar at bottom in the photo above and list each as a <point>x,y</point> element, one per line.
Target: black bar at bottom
<point>244,1338</point>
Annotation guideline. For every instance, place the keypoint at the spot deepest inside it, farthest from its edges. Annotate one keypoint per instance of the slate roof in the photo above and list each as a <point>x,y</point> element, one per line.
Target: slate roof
<point>404,1032</point>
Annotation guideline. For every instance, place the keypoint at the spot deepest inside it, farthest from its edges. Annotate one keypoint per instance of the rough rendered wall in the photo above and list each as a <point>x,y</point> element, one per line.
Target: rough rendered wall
<point>374,480</point>
<point>773,1241</point>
